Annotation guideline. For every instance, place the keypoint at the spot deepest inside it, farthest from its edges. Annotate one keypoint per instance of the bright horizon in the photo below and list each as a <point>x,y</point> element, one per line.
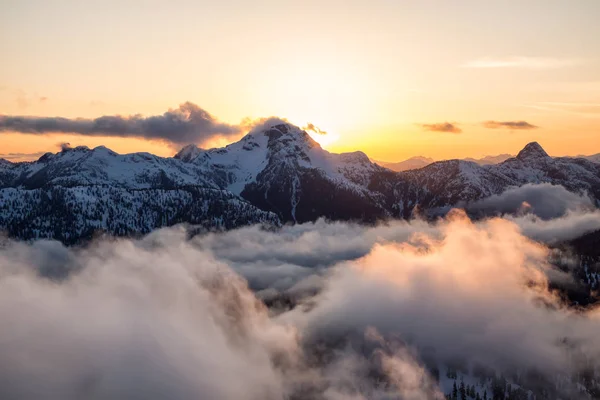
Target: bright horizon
<point>391,79</point>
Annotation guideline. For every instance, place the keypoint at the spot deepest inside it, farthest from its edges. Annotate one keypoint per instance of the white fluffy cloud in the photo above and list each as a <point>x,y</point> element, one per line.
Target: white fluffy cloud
<point>543,200</point>
<point>168,317</point>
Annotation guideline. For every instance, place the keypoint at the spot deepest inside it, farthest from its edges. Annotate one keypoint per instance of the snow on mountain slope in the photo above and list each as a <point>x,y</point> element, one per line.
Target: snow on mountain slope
<point>82,166</point>
<point>534,165</point>
<point>281,168</point>
<point>233,166</point>
<point>301,181</point>
<point>72,214</point>
<point>445,184</point>
<point>277,172</point>
<point>281,143</point>
<point>72,194</point>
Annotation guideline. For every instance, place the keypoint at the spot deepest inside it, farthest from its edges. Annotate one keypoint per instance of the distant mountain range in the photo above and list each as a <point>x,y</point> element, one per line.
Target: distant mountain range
<point>411,163</point>
<point>595,158</point>
<point>273,175</point>
<point>421,162</point>
<point>488,160</point>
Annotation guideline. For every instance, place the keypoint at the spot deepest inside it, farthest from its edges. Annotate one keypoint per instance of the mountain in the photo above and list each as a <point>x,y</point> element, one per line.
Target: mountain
<point>595,158</point>
<point>421,162</point>
<point>282,169</point>
<point>81,166</point>
<point>446,184</point>
<point>73,194</point>
<point>488,160</point>
<point>412,163</point>
<point>73,214</point>
<point>534,165</point>
<point>275,174</point>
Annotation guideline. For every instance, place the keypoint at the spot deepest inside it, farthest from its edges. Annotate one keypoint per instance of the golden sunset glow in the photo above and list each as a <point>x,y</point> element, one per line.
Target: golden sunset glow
<point>371,74</point>
<point>325,140</point>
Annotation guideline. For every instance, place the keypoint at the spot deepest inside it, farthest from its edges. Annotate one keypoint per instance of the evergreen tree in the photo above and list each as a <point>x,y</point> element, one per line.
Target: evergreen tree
<point>454,391</point>
<point>472,391</point>
<point>462,391</point>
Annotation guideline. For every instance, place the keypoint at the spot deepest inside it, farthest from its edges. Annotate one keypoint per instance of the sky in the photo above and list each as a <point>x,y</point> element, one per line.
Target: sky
<point>395,79</point>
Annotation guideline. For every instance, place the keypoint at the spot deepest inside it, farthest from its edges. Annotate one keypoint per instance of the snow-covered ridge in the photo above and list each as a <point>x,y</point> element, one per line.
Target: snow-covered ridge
<point>279,168</point>
<point>82,166</point>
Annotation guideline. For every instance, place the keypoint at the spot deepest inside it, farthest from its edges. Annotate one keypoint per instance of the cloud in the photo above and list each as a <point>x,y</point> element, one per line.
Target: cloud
<point>311,127</point>
<point>96,103</point>
<point>64,146</point>
<point>587,110</point>
<point>462,297</point>
<point>521,62</point>
<point>544,200</point>
<point>22,156</point>
<point>24,99</point>
<point>374,310</point>
<point>184,125</point>
<point>146,340</point>
<point>442,127</point>
<point>170,321</point>
<point>572,225</point>
<point>513,125</point>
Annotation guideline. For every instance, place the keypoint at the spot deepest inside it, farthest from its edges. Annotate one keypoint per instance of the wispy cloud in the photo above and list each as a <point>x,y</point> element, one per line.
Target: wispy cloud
<point>571,104</point>
<point>24,99</point>
<point>442,127</point>
<point>21,156</point>
<point>184,125</point>
<point>311,127</point>
<point>586,110</point>
<point>513,125</point>
<point>521,62</point>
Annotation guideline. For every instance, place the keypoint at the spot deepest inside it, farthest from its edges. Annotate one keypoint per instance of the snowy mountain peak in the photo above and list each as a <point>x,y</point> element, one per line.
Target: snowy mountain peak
<point>103,150</point>
<point>532,151</point>
<point>78,149</point>
<point>357,157</point>
<point>188,153</point>
<point>286,133</point>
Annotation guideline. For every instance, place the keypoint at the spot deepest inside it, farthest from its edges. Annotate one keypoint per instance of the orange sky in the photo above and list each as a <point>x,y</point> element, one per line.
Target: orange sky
<point>374,74</point>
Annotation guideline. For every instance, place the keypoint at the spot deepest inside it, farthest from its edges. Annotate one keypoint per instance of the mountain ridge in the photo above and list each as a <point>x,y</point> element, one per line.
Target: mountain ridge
<point>275,174</point>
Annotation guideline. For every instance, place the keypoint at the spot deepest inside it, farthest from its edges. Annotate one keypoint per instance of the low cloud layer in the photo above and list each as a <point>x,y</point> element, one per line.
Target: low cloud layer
<point>184,125</point>
<point>545,200</point>
<point>513,125</point>
<point>463,294</point>
<point>442,127</point>
<point>376,307</point>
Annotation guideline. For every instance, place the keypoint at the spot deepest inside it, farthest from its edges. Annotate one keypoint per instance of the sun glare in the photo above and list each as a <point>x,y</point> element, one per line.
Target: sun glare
<point>324,140</point>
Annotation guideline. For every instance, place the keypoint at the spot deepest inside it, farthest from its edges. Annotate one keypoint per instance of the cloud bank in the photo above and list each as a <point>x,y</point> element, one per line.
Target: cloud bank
<point>357,312</point>
<point>545,200</point>
<point>184,125</point>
